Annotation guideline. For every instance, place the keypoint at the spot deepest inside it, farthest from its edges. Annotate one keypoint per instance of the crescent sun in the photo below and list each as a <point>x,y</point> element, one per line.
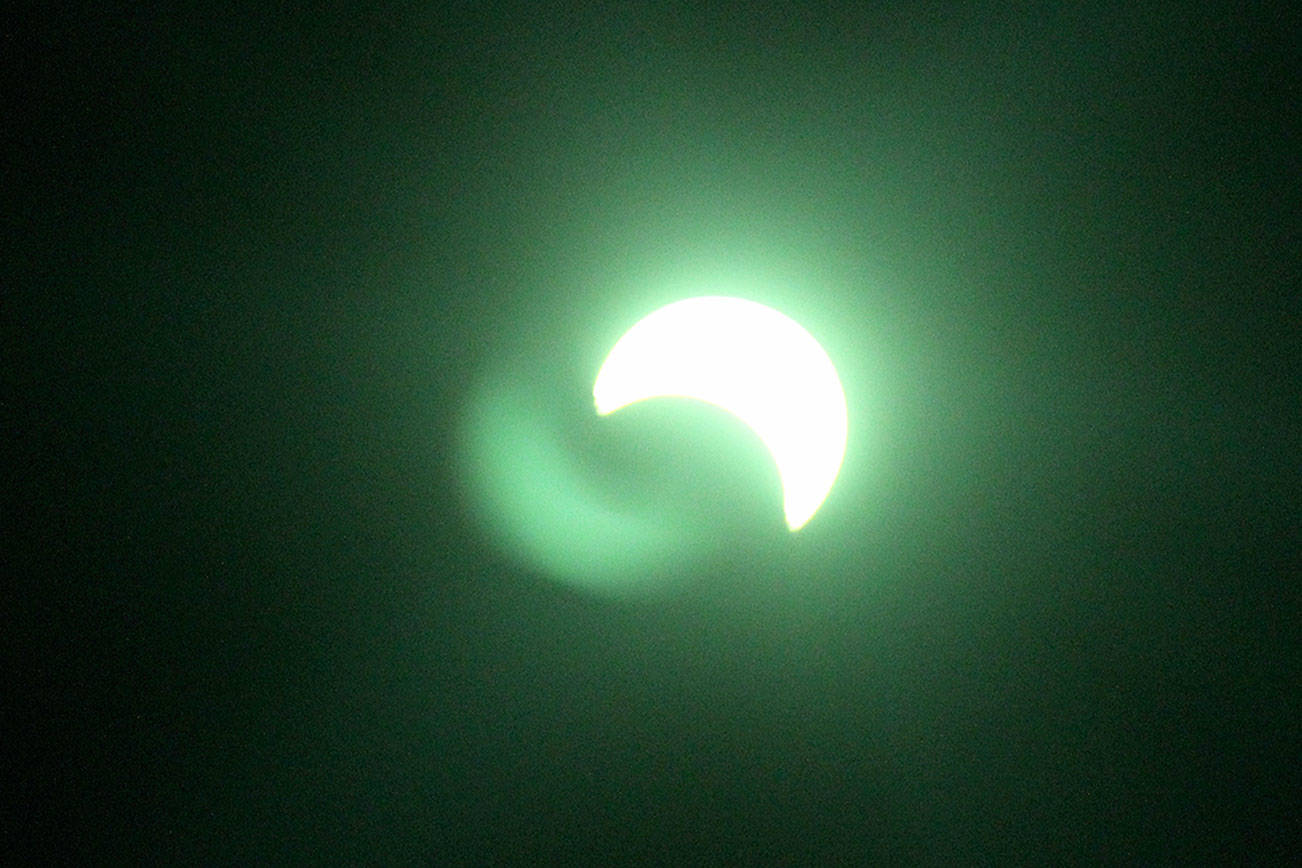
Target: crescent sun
<point>751,361</point>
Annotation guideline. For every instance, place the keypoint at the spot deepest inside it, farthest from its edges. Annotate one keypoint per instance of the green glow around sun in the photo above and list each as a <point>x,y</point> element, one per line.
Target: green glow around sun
<point>547,511</point>
<point>751,361</point>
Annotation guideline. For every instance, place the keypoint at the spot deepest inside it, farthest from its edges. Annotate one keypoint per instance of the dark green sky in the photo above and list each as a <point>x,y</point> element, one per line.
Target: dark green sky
<point>264,269</point>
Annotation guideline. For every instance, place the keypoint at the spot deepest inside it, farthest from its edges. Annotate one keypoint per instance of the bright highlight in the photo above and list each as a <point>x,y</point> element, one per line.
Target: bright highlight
<point>753,362</point>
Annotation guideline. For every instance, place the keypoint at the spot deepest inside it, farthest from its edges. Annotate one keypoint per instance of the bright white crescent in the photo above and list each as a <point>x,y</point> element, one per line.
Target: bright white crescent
<point>753,362</point>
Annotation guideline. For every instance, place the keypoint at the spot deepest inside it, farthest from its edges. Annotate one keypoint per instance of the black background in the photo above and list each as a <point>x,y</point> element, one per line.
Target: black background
<point>257,257</point>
